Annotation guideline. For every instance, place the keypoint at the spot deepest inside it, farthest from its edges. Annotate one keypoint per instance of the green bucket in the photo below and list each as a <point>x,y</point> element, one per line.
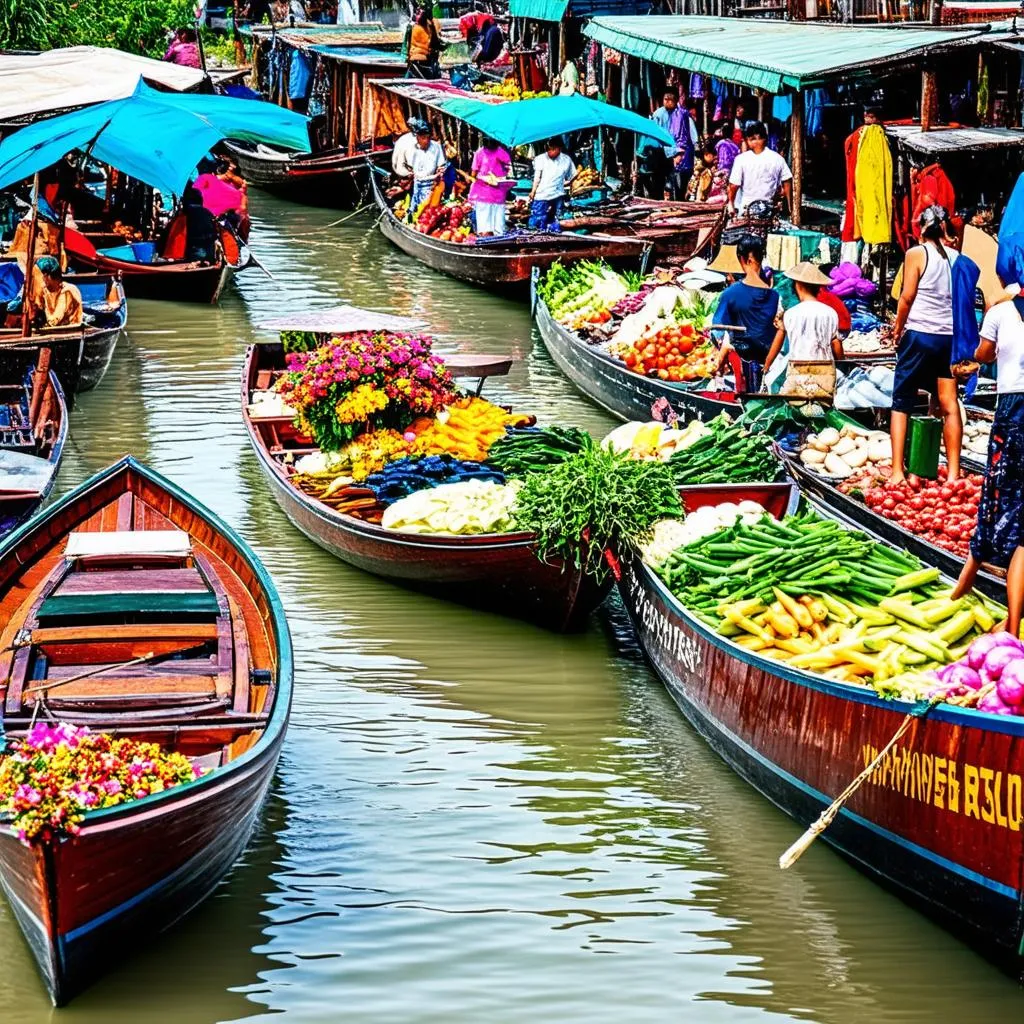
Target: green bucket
<point>924,440</point>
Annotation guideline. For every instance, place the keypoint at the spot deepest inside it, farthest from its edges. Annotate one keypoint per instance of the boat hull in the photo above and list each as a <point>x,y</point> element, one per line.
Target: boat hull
<point>940,822</point>
<point>609,384</point>
<point>170,282</point>
<point>333,178</point>
<point>87,900</point>
<point>507,266</point>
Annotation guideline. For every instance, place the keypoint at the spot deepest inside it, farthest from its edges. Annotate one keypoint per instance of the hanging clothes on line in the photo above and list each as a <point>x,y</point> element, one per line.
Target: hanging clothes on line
<point>931,186</point>
<point>851,232</point>
<point>873,186</point>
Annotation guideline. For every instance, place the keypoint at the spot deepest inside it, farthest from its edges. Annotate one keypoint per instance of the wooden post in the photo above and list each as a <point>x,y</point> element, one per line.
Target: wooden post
<point>796,155</point>
<point>929,99</point>
<point>40,378</point>
<point>762,107</point>
<point>30,259</point>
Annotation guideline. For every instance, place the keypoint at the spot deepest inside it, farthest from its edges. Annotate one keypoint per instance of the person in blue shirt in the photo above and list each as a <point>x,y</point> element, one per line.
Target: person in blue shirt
<point>679,156</point>
<point>750,303</point>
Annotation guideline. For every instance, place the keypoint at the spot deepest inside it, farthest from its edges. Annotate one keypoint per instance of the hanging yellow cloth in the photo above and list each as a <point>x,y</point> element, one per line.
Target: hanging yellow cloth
<point>873,186</point>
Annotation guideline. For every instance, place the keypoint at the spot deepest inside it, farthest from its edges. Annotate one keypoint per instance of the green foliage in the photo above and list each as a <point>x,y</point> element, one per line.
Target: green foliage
<point>137,26</point>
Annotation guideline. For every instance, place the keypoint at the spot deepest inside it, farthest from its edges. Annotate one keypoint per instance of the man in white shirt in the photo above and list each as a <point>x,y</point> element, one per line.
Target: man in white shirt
<point>759,174</point>
<point>401,155</point>
<point>552,172</point>
<point>428,163</point>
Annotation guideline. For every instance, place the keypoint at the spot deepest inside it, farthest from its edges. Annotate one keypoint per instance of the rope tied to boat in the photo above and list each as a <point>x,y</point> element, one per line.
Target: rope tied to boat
<point>827,816</point>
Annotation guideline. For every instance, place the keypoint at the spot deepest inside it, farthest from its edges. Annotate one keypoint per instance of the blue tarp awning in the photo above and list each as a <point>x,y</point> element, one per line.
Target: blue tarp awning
<point>515,124</point>
<point>154,136</point>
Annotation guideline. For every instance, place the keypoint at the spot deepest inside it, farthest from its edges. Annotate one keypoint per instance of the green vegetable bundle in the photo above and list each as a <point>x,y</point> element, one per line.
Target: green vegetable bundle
<point>801,554</point>
<point>593,500</point>
<point>530,449</point>
<point>726,455</point>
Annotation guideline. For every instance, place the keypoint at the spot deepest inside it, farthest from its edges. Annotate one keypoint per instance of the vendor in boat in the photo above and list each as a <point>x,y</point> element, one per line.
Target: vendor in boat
<point>811,330</point>
<point>999,536</point>
<point>492,165</point>
<point>553,170</point>
<point>749,303</point>
<point>759,174</point>
<point>923,335</point>
<point>405,145</point>
<point>428,166</point>
<point>202,233</point>
<point>56,303</point>
<point>489,44</point>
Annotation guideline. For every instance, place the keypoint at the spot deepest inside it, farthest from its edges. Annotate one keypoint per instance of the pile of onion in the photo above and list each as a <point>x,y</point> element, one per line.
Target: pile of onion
<point>993,660</point>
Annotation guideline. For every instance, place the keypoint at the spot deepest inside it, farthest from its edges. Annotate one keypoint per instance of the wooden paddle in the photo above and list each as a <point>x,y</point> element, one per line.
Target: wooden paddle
<point>800,847</point>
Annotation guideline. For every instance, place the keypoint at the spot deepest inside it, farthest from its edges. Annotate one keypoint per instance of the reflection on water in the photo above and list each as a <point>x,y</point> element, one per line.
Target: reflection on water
<point>473,820</point>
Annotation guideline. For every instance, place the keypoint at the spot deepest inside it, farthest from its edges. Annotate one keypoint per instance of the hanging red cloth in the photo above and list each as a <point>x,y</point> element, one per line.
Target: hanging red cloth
<point>930,186</point>
<point>850,147</point>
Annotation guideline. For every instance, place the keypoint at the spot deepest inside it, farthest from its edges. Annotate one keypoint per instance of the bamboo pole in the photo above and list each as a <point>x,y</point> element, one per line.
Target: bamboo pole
<point>40,379</point>
<point>796,154</point>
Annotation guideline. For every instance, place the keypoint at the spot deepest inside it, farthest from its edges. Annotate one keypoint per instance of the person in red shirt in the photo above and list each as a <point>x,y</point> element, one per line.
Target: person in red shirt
<point>833,301</point>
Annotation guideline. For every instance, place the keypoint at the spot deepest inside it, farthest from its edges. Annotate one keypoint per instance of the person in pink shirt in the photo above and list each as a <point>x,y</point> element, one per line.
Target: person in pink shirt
<point>184,49</point>
<point>491,167</point>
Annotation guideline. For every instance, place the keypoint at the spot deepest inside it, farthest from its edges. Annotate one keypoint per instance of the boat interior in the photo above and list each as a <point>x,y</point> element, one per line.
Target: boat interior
<point>138,621</point>
<point>30,427</point>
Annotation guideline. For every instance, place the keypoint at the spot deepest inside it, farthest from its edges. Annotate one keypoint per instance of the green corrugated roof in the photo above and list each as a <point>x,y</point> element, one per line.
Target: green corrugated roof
<point>770,55</point>
<point>538,10</point>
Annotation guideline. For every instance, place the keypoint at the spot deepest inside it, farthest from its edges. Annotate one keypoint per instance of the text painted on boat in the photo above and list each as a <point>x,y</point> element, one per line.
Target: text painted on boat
<point>987,794</point>
<point>669,638</point>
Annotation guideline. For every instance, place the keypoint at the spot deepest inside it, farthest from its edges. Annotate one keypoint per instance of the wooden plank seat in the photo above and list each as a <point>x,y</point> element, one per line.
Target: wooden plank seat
<point>148,547</point>
<point>103,643</point>
<point>134,581</point>
<point>80,606</point>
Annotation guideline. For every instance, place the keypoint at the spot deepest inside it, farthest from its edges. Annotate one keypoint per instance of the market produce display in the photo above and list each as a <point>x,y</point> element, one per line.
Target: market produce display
<point>670,534</point>
<point>581,293</point>
<point>509,90</point>
<point>592,501</point>
<point>827,599</point>
<point>466,428</point>
<point>840,453</point>
<point>726,453</point>
<point>943,513</point>
<point>654,440</point>
<point>533,449</point>
<point>459,509</point>
<point>989,676</point>
<point>402,477</point>
<point>976,438</point>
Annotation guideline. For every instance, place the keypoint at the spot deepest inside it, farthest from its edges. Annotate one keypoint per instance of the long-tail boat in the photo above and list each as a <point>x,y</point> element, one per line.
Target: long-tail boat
<point>609,383</point>
<point>171,280</point>
<point>105,303</point>
<point>500,572</point>
<point>940,822</point>
<point>505,262</point>
<point>130,608</point>
<point>33,431</point>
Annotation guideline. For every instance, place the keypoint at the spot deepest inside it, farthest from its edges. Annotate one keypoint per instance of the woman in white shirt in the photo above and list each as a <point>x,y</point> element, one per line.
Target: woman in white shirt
<point>999,536</point>
<point>810,327</point>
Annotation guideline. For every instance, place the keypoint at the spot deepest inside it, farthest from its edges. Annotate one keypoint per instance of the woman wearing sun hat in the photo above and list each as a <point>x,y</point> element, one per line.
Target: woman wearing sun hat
<point>812,331</point>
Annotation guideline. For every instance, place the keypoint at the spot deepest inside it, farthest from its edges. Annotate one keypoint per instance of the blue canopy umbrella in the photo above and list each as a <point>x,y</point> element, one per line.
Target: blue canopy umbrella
<point>154,136</point>
<point>514,124</point>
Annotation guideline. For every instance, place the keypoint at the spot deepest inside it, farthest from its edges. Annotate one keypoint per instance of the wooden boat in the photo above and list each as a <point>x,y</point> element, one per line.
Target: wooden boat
<point>940,822</point>
<point>504,263</point>
<point>33,430</point>
<point>607,381</point>
<point>129,574</point>
<point>500,572</point>
<point>676,230</point>
<point>104,301</point>
<point>991,581</point>
<point>330,177</point>
<point>169,280</point>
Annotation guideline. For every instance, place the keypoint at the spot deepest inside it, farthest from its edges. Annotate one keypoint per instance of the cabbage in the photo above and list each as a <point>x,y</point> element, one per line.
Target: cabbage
<point>977,651</point>
<point>997,659</point>
<point>1011,683</point>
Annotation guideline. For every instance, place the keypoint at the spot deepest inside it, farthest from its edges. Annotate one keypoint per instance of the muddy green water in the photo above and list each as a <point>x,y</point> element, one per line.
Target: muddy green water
<point>473,820</point>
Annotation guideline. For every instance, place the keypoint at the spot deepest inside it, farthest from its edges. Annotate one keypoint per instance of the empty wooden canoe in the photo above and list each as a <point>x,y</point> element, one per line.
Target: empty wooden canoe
<point>130,576</point>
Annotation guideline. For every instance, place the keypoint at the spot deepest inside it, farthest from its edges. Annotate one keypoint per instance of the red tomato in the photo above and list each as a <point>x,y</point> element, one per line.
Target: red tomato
<point>630,359</point>
<point>685,346</point>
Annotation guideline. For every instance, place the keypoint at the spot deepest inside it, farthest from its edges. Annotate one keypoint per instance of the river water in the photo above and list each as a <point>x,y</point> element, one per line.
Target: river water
<point>473,820</point>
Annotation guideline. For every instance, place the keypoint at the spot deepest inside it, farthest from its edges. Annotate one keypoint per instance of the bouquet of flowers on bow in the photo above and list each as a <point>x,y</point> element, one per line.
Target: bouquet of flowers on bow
<point>362,382</point>
<point>52,777</point>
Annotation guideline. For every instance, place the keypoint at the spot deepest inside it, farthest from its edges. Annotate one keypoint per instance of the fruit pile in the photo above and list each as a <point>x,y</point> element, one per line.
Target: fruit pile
<point>448,223</point>
<point>943,513</point>
<point>677,353</point>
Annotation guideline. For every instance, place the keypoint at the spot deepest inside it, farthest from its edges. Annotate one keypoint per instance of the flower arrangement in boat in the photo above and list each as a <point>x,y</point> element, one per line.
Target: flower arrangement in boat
<point>57,773</point>
<point>364,381</point>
